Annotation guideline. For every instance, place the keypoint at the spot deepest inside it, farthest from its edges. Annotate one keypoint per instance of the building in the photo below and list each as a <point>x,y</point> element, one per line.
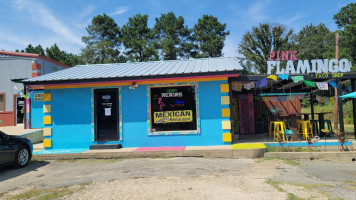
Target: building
<point>15,66</point>
<point>198,102</point>
<point>148,104</point>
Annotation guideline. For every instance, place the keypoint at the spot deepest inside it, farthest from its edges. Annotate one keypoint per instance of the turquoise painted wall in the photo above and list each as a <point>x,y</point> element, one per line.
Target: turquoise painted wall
<point>37,113</point>
<point>71,116</point>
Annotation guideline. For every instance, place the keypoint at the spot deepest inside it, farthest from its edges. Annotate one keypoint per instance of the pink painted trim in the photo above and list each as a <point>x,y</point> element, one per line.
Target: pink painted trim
<point>27,113</point>
<point>160,149</point>
<point>144,80</point>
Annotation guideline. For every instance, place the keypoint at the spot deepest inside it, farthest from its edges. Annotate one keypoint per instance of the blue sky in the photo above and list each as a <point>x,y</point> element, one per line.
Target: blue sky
<point>63,22</point>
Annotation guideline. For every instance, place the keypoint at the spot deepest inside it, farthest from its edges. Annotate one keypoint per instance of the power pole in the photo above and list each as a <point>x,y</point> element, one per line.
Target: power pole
<point>336,108</point>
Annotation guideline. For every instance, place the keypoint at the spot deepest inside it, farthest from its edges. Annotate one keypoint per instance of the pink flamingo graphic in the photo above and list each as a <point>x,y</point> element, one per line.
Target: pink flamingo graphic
<point>161,104</point>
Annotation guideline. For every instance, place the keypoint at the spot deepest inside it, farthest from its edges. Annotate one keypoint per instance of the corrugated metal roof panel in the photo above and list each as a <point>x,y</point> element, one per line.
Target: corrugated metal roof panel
<point>139,69</point>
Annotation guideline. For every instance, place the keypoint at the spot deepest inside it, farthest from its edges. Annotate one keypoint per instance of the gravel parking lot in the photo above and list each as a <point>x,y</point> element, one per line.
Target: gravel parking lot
<point>180,178</point>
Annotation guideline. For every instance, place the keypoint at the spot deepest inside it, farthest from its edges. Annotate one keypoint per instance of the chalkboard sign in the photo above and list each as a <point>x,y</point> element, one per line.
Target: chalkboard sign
<point>173,108</point>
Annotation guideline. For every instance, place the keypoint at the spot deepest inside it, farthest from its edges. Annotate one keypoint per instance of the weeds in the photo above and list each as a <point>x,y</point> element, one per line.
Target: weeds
<point>288,149</point>
<point>275,184</point>
<point>56,194</point>
<point>47,194</point>
<point>28,194</point>
<point>286,161</point>
<point>293,197</point>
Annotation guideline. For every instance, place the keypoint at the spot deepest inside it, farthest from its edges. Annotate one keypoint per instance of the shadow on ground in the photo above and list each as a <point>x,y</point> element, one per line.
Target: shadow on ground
<point>9,172</point>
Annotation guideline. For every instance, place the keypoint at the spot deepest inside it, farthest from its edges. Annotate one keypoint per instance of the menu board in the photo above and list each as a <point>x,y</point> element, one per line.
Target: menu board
<point>173,108</point>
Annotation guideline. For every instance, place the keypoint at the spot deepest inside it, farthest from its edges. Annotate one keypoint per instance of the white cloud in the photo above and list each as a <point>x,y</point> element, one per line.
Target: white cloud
<point>40,15</point>
<point>294,21</point>
<point>86,11</point>
<point>10,41</point>
<point>257,11</point>
<point>120,10</point>
<point>230,47</point>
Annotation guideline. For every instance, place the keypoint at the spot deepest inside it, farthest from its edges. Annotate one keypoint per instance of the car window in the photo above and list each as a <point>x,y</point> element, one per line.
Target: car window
<point>2,135</point>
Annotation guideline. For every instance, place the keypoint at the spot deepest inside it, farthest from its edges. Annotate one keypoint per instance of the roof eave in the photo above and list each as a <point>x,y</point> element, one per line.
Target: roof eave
<point>230,73</point>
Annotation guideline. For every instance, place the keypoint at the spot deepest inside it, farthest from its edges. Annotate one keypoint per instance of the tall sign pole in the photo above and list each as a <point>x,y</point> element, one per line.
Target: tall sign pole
<point>336,97</point>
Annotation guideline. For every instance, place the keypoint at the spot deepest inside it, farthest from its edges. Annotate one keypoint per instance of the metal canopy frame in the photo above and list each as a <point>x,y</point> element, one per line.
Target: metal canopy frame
<point>288,86</point>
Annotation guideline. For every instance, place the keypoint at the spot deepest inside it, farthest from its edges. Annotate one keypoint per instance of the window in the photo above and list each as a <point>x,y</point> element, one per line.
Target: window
<point>2,102</point>
<point>54,69</point>
<point>173,108</point>
<point>38,97</point>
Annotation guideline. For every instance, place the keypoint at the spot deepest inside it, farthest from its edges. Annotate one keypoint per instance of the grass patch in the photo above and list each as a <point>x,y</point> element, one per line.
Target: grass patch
<point>56,194</point>
<point>351,182</point>
<point>286,161</point>
<point>351,185</point>
<point>348,117</point>
<point>275,184</point>
<point>293,197</point>
<point>290,162</point>
<point>28,194</point>
<point>316,187</point>
<point>311,186</point>
<point>288,149</point>
<point>47,194</point>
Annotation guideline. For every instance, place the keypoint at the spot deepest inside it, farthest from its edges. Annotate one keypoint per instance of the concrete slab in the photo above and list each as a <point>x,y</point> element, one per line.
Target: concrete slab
<point>208,147</point>
<point>17,130</point>
<point>38,147</point>
<point>110,150</point>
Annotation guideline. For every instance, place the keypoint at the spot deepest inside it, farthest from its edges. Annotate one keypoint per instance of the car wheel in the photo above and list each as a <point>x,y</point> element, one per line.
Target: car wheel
<point>22,157</point>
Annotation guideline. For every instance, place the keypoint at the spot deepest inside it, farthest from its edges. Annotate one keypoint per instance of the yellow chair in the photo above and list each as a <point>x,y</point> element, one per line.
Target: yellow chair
<point>304,127</point>
<point>278,126</point>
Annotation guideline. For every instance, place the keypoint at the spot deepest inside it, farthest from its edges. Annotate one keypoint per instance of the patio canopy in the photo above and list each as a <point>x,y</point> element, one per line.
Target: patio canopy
<point>350,95</point>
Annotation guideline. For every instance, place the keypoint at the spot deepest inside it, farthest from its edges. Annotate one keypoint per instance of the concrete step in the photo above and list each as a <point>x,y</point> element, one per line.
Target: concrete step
<point>105,146</point>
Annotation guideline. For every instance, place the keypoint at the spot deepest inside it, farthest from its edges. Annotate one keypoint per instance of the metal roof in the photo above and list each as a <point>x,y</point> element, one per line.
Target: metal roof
<point>142,69</point>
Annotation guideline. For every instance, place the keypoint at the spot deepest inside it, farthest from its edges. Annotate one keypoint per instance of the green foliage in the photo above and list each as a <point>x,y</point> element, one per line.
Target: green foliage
<point>257,44</point>
<point>28,194</point>
<point>346,16</point>
<point>347,108</point>
<point>346,19</point>
<point>348,111</point>
<point>138,39</point>
<point>55,53</point>
<point>102,41</point>
<point>173,38</point>
<point>313,42</point>
<point>210,35</point>
<point>275,184</point>
<point>293,197</point>
<point>287,149</point>
<point>306,102</point>
<point>37,50</point>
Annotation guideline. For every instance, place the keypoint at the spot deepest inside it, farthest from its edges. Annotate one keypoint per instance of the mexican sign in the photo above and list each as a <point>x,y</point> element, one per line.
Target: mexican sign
<point>173,116</point>
<point>286,62</point>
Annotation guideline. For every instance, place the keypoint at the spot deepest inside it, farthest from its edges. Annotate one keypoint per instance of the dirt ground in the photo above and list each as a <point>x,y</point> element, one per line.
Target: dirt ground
<point>180,178</point>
